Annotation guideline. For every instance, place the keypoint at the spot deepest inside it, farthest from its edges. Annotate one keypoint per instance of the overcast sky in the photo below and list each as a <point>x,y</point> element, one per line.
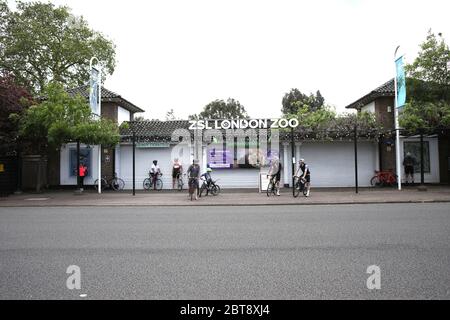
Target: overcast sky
<point>183,54</point>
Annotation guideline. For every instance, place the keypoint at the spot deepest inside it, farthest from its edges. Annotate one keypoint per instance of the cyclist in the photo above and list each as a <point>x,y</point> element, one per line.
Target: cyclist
<point>207,177</point>
<point>305,174</point>
<point>154,172</point>
<point>275,172</point>
<point>409,162</point>
<point>193,173</point>
<point>177,170</point>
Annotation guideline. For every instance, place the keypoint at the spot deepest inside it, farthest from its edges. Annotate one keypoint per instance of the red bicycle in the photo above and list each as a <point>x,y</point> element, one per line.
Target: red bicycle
<point>384,178</point>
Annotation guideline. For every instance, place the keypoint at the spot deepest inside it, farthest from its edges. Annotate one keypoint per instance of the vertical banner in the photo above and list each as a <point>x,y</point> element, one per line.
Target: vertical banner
<point>401,82</point>
<point>94,92</point>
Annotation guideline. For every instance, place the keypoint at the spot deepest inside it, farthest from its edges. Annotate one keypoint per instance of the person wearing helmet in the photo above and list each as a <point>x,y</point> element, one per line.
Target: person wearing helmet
<point>154,172</point>
<point>207,177</point>
<point>193,173</point>
<point>304,173</point>
<point>275,171</point>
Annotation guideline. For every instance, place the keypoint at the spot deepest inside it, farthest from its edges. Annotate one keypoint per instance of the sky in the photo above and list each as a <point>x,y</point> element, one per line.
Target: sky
<point>183,54</point>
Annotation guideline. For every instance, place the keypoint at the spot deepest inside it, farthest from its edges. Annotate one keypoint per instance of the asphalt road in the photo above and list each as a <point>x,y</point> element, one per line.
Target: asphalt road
<point>286,252</point>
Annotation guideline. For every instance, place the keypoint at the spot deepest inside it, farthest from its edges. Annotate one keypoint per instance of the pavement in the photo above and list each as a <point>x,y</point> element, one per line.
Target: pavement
<point>242,252</point>
<point>230,197</point>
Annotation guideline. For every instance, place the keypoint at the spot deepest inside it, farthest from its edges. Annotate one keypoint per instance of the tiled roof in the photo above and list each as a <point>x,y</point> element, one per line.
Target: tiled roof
<point>107,96</point>
<point>385,90</point>
<point>153,130</point>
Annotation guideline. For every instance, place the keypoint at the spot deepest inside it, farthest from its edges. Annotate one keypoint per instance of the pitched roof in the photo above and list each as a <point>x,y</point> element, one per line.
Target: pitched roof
<point>385,90</point>
<point>152,130</point>
<point>107,96</point>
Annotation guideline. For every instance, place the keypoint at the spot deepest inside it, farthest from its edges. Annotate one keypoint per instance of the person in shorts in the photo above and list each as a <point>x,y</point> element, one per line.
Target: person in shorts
<point>304,173</point>
<point>177,170</point>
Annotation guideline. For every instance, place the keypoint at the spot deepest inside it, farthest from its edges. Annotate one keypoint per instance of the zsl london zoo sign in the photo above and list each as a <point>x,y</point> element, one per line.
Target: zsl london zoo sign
<point>242,124</point>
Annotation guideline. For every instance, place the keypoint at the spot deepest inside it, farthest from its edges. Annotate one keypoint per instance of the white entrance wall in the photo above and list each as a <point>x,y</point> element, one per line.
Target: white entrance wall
<point>236,178</point>
<point>144,161</point>
<point>332,164</point>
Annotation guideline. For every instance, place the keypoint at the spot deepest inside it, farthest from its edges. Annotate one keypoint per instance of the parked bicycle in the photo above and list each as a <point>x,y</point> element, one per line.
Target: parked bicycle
<point>384,178</point>
<point>180,182</point>
<point>272,188</point>
<point>150,183</point>
<point>115,183</point>
<point>209,187</point>
<point>300,186</point>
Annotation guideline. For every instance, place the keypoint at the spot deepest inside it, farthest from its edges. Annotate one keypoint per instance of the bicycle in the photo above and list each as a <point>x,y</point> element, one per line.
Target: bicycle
<point>300,185</point>
<point>150,182</point>
<point>115,183</point>
<point>193,187</point>
<point>272,187</point>
<point>383,178</point>
<point>210,187</point>
<point>180,182</point>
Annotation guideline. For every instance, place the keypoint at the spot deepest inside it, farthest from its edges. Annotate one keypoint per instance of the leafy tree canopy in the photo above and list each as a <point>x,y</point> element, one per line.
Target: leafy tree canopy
<point>431,65</point>
<point>295,99</point>
<point>62,118</point>
<point>40,42</point>
<point>428,85</point>
<point>14,100</point>
<point>219,109</point>
<point>325,124</point>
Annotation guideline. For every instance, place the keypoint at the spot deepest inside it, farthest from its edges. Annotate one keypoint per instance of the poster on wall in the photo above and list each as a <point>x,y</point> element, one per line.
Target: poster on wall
<point>85,158</point>
<point>413,148</point>
<point>219,158</point>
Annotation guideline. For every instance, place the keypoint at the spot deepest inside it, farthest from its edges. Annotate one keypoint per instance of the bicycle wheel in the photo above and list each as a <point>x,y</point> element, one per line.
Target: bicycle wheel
<point>159,184</point>
<point>147,184</point>
<point>375,181</point>
<point>270,188</point>
<point>180,184</point>
<point>117,184</point>
<point>296,187</point>
<point>202,188</point>
<point>103,186</point>
<point>215,190</point>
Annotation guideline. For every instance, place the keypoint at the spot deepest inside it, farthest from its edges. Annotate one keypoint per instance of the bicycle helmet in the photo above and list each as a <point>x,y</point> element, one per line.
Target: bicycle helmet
<point>208,170</point>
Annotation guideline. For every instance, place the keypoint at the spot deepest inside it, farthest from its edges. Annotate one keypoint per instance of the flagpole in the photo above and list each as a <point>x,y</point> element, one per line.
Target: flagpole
<point>397,130</point>
<point>99,82</point>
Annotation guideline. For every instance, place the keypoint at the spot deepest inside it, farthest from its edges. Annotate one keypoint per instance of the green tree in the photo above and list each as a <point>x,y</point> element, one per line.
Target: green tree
<point>219,109</point>
<point>14,100</point>
<point>431,65</point>
<point>428,85</point>
<point>60,119</point>
<point>295,99</point>
<point>40,42</point>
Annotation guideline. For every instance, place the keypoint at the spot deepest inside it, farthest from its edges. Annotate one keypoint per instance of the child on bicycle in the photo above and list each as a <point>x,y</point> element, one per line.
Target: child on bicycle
<point>207,177</point>
<point>275,172</point>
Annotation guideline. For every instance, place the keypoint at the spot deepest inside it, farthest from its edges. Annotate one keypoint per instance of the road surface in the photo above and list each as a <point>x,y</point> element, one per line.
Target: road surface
<point>285,252</point>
